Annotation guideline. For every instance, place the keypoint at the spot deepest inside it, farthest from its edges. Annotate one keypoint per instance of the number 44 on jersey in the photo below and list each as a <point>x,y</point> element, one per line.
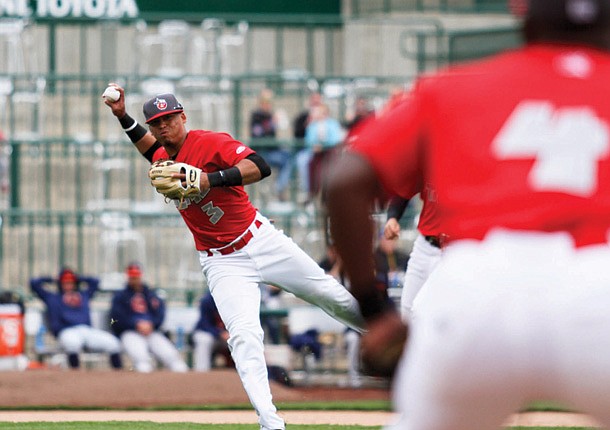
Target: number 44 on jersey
<point>566,143</point>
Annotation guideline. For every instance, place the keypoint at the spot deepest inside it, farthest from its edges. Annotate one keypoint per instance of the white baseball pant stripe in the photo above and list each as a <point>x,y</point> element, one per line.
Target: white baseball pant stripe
<point>515,318</point>
<point>273,258</point>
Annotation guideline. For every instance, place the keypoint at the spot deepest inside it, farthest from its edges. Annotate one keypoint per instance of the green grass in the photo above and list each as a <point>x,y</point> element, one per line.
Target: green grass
<point>364,405</point>
<point>356,405</point>
<point>146,425</point>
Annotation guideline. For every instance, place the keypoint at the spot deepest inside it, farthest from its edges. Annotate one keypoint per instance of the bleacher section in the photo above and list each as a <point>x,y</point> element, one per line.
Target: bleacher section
<point>74,191</point>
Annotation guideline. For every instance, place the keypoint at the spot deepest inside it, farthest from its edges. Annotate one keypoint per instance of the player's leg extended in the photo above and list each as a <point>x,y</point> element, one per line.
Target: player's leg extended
<point>233,282</point>
<point>281,262</point>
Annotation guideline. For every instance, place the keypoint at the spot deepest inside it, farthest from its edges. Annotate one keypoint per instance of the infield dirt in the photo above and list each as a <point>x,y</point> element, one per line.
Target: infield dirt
<point>55,389</point>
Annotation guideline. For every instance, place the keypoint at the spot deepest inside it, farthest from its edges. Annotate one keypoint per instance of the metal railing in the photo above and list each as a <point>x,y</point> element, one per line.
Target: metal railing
<point>226,45</point>
<point>43,107</point>
<point>74,191</point>
<point>434,46</point>
<point>361,8</point>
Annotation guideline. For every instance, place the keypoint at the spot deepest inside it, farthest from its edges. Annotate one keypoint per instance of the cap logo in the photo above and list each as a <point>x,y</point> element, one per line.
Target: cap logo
<point>161,104</point>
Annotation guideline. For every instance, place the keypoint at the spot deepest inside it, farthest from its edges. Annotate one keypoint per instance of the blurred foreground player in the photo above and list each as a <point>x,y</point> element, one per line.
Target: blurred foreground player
<point>517,147</point>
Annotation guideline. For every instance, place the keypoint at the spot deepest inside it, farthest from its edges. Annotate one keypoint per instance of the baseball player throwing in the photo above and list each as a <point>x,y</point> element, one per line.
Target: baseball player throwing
<point>238,247</point>
<point>517,148</point>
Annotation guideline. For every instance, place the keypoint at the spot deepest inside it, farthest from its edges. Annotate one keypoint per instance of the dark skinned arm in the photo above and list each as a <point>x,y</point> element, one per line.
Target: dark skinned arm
<point>352,190</point>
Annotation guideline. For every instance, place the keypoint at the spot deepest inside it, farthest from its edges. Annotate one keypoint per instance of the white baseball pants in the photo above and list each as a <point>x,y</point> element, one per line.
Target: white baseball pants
<point>272,258</point>
<point>74,339</point>
<point>202,350</point>
<point>515,318</point>
<point>142,351</point>
<point>423,259</point>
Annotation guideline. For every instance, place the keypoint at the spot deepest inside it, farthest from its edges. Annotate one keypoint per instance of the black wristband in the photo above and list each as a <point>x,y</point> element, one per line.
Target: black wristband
<point>215,179</point>
<point>126,122</point>
<point>225,178</point>
<point>134,130</point>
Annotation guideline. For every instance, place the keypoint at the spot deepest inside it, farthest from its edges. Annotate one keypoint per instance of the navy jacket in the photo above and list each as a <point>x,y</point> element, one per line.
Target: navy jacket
<point>66,309</point>
<point>128,307</point>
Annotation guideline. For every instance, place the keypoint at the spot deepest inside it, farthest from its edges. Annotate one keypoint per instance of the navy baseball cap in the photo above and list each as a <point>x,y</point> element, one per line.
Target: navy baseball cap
<point>161,105</point>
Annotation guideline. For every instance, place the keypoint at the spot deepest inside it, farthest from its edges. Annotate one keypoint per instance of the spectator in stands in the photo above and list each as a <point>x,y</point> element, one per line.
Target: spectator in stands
<point>303,119</point>
<point>361,111</point>
<point>68,316</point>
<point>322,135</point>
<point>210,337</point>
<point>263,126</point>
<point>137,313</point>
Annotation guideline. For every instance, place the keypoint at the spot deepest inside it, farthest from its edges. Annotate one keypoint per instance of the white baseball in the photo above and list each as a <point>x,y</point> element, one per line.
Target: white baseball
<point>111,94</point>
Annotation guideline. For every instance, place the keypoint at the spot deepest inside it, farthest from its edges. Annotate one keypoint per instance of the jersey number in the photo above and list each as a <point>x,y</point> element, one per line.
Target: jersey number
<point>566,144</point>
<point>214,212</point>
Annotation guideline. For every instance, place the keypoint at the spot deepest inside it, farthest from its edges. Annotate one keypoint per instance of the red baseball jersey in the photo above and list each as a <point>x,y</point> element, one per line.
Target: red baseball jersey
<point>428,223</point>
<point>519,140</point>
<point>221,214</point>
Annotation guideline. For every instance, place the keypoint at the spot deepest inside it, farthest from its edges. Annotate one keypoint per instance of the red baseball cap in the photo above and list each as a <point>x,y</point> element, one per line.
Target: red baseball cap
<point>67,275</point>
<point>134,270</point>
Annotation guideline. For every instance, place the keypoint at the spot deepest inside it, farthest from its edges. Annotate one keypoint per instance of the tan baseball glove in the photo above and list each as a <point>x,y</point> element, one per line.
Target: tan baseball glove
<point>176,181</point>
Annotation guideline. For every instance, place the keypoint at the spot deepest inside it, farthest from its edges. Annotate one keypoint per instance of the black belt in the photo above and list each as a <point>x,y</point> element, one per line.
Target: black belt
<point>434,240</point>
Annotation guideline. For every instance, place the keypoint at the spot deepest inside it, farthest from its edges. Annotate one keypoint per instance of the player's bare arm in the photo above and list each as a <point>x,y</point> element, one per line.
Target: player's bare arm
<point>250,172</point>
<point>144,140</point>
<point>350,202</point>
<point>356,187</point>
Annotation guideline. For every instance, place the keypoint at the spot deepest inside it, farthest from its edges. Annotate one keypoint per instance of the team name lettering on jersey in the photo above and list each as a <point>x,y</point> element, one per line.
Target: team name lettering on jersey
<point>566,143</point>
<point>72,299</point>
<point>187,201</point>
<point>214,212</point>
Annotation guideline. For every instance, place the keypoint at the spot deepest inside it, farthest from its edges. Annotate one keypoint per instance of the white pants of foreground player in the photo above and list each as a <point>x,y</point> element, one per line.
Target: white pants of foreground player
<point>143,350</point>
<point>423,259</point>
<point>500,323</point>
<point>273,258</point>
